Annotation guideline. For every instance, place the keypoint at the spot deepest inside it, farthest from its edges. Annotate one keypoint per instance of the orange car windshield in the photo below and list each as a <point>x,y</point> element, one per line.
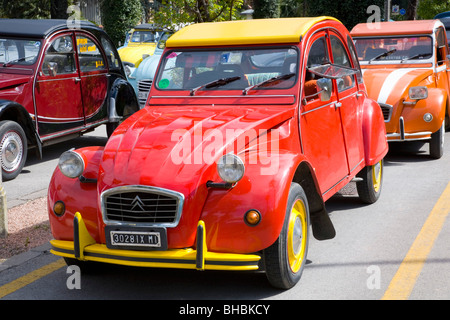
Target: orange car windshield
<point>229,69</point>
<point>389,49</point>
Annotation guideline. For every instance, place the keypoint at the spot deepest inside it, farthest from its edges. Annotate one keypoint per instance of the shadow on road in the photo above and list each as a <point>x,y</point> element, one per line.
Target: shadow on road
<point>54,151</point>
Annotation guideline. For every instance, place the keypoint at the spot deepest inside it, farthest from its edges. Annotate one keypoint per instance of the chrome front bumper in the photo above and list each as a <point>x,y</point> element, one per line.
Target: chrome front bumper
<point>403,136</point>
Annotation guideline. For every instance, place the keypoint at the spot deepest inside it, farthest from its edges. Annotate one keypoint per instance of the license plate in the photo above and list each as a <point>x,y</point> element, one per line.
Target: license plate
<point>136,238</point>
<point>142,95</point>
<point>146,239</point>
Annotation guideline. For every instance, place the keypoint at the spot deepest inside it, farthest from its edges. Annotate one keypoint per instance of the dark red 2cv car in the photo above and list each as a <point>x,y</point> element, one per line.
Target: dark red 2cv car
<point>56,83</point>
<point>249,128</point>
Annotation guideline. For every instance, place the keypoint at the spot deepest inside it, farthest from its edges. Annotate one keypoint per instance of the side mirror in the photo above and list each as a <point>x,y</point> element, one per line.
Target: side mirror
<point>326,87</point>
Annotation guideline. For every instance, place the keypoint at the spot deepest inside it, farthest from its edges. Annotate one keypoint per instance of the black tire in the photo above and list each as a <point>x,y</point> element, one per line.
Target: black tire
<point>369,188</point>
<point>13,149</point>
<point>437,143</point>
<point>286,258</point>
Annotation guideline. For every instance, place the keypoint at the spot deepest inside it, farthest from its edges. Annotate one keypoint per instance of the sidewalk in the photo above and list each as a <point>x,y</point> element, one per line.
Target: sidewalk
<point>28,228</point>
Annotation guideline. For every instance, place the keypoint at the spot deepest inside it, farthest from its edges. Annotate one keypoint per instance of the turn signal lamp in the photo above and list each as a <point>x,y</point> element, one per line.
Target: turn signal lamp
<point>252,217</point>
<point>59,208</point>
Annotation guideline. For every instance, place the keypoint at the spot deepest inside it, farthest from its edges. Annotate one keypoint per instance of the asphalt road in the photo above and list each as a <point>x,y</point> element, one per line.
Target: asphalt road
<point>397,248</point>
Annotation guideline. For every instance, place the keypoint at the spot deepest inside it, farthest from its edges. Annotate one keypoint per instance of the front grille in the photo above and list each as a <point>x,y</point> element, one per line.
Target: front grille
<point>142,205</point>
<point>143,90</point>
<point>387,111</point>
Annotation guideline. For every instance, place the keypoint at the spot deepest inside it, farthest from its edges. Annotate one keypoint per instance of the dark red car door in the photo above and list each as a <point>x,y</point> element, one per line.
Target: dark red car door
<point>94,80</point>
<point>58,103</point>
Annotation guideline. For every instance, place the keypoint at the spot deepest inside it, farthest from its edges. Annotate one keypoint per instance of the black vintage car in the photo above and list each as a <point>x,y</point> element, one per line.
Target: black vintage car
<point>57,81</point>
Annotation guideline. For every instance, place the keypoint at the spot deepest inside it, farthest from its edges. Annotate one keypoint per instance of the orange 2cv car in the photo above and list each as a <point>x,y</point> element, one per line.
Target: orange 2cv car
<point>249,128</point>
<point>405,68</point>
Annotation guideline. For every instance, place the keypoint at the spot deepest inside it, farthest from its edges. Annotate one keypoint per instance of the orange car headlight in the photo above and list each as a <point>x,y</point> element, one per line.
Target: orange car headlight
<point>418,93</point>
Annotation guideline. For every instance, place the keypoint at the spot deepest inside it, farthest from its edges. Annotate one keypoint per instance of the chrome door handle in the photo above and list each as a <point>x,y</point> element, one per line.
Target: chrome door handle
<point>337,105</point>
<point>77,80</point>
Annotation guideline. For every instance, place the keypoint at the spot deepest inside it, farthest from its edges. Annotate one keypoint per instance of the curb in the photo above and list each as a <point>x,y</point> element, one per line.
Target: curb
<point>24,256</point>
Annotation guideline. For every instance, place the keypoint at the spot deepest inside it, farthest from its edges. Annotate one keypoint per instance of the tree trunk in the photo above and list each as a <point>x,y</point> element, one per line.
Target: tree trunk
<point>58,9</point>
<point>411,10</point>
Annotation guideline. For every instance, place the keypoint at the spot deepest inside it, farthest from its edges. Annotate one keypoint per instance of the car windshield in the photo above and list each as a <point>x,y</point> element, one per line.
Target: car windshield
<point>230,69</point>
<point>394,49</point>
<point>144,36</point>
<point>15,52</point>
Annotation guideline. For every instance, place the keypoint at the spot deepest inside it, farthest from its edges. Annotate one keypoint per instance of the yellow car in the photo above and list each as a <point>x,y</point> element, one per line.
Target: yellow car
<point>141,44</point>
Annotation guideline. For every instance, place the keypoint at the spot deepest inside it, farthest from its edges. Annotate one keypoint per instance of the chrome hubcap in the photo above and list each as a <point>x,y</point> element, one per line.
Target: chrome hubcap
<point>11,151</point>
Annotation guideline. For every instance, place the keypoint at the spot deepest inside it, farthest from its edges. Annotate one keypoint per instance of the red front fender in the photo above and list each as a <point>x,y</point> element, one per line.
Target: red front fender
<point>76,196</point>
<point>223,213</point>
<point>374,133</point>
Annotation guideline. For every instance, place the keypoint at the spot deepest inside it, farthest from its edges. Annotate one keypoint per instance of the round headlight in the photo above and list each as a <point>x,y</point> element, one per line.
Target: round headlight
<point>71,164</point>
<point>230,168</point>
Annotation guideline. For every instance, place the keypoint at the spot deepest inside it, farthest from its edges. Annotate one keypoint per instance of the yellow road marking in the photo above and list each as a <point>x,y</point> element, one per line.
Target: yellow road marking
<point>30,278</point>
<point>404,280</point>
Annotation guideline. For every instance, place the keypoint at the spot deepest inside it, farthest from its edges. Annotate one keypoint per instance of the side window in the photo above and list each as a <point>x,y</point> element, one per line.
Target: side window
<point>59,57</point>
<point>354,56</point>
<point>341,58</point>
<point>318,55</point>
<point>89,55</point>
<point>441,46</point>
<point>111,54</point>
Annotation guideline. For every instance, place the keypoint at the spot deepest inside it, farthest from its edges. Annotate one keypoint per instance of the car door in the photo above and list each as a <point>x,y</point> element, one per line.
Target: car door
<point>348,104</point>
<point>321,131</point>
<point>94,82</point>
<point>58,103</point>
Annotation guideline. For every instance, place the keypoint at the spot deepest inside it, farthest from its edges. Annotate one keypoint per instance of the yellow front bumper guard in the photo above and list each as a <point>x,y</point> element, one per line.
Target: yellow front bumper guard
<point>85,248</point>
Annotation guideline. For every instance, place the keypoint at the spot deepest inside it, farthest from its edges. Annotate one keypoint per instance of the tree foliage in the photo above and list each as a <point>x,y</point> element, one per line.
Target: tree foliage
<point>174,13</point>
<point>427,9</point>
<point>266,9</point>
<point>26,9</point>
<point>119,16</point>
<point>349,12</point>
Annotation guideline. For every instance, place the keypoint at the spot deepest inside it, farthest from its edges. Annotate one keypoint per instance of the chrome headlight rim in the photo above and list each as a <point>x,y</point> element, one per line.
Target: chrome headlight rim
<point>71,164</point>
<point>230,168</point>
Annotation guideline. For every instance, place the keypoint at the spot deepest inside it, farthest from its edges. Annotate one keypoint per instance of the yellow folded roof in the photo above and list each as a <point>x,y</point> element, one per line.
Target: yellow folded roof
<point>239,32</point>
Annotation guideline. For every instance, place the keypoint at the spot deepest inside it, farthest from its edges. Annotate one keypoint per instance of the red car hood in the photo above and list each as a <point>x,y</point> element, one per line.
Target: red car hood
<point>171,147</point>
<point>8,80</point>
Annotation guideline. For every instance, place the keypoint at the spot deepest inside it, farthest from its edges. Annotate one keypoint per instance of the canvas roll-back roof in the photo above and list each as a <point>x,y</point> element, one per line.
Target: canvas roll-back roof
<point>35,28</point>
<point>239,32</point>
<point>395,28</point>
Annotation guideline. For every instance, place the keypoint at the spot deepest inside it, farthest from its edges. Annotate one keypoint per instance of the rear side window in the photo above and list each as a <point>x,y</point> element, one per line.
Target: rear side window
<point>111,55</point>
<point>354,58</point>
<point>90,57</point>
<point>341,58</point>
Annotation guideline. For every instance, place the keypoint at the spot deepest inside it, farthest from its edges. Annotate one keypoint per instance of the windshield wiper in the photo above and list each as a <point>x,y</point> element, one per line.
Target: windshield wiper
<point>280,77</point>
<point>215,83</point>
<point>419,55</point>
<point>384,54</point>
<point>5,64</point>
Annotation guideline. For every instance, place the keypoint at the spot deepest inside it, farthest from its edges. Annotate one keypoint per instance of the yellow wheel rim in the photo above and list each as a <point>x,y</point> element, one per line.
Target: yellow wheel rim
<point>377,171</point>
<point>297,236</point>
